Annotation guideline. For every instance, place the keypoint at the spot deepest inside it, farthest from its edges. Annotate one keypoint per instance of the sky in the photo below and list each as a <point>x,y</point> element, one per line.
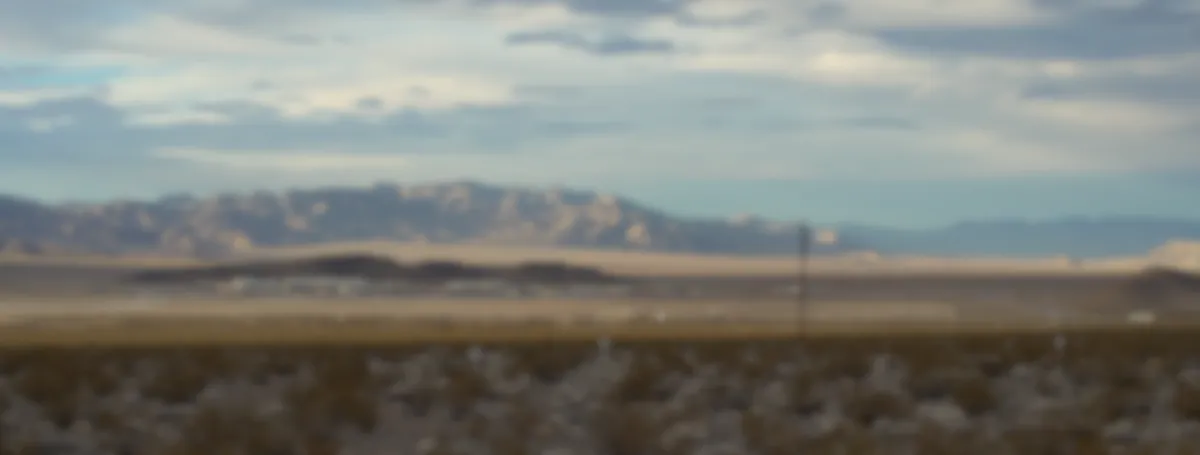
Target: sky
<point>901,112</point>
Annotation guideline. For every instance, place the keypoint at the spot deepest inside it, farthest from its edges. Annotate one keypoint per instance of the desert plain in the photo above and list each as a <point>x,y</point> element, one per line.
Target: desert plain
<point>907,358</point>
<point>668,291</point>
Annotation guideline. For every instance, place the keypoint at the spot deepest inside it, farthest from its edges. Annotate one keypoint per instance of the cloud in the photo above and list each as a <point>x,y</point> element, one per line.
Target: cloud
<point>1167,82</point>
<point>825,57</point>
<point>283,161</point>
<point>935,14</point>
<point>1073,30</point>
<point>624,8</point>
<point>593,90</point>
<point>606,45</point>
<point>1091,115</point>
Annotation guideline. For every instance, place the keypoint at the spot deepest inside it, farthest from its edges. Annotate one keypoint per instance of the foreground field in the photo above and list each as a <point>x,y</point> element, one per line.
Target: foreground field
<point>482,377</point>
<point>1081,392</point>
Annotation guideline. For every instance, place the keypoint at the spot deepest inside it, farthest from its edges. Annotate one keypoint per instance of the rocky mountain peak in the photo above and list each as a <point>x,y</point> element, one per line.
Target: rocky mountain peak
<point>449,212</point>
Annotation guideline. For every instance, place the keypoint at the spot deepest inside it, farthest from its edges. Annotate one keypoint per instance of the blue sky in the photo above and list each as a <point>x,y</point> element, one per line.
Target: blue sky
<point>915,112</point>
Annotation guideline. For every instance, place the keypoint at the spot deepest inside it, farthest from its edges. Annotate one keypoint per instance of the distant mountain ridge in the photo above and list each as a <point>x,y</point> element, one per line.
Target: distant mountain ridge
<point>1076,236</point>
<point>472,212</point>
<point>455,212</point>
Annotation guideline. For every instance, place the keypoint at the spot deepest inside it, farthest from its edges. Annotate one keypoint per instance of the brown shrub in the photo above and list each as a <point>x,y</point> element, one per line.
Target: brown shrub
<point>865,406</point>
<point>1108,404</point>
<point>318,405</point>
<point>464,388</point>
<point>106,420</point>
<point>768,434</point>
<point>517,431</point>
<point>177,380</point>
<point>974,394</point>
<point>642,382</point>
<point>925,356</point>
<point>550,364</point>
<point>231,430</point>
<point>1053,441</point>
<point>935,440</point>
<point>55,386</point>
<point>847,440</point>
<point>1186,400</point>
<point>843,364</point>
<point>627,429</point>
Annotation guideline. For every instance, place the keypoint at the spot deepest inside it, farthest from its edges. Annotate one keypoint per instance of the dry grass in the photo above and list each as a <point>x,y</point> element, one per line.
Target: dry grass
<point>280,328</point>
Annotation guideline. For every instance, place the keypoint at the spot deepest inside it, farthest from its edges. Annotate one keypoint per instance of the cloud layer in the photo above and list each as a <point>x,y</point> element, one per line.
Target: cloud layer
<point>140,96</point>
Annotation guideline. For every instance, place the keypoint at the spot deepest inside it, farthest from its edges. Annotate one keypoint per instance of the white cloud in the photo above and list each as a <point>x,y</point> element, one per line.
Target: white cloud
<point>446,57</point>
<point>990,84</point>
<point>49,124</point>
<point>938,13</point>
<point>178,38</point>
<point>819,56</point>
<point>998,153</point>
<point>1104,116</point>
<point>299,92</point>
<point>291,161</point>
<point>854,58</point>
<point>30,97</point>
<point>723,10</point>
<point>301,83</point>
<point>969,114</point>
<point>861,14</point>
<point>176,117</point>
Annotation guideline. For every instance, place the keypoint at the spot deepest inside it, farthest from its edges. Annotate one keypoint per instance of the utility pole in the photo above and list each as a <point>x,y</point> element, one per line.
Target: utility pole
<point>804,247</point>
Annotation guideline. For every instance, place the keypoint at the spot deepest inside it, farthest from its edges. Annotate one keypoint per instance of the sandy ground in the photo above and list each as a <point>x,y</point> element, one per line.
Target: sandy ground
<point>91,280</point>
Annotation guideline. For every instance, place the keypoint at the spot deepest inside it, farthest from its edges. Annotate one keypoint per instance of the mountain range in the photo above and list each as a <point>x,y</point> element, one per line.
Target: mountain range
<point>472,212</point>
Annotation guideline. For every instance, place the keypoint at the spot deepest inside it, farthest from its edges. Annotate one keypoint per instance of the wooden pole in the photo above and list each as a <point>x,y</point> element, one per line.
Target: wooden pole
<point>803,250</point>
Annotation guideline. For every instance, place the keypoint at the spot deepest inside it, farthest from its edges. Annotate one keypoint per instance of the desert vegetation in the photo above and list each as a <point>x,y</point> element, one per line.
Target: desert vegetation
<point>1135,392</point>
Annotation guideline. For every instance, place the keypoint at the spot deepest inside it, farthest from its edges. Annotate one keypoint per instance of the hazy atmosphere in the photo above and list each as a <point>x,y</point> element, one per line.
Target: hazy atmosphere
<point>906,113</point>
